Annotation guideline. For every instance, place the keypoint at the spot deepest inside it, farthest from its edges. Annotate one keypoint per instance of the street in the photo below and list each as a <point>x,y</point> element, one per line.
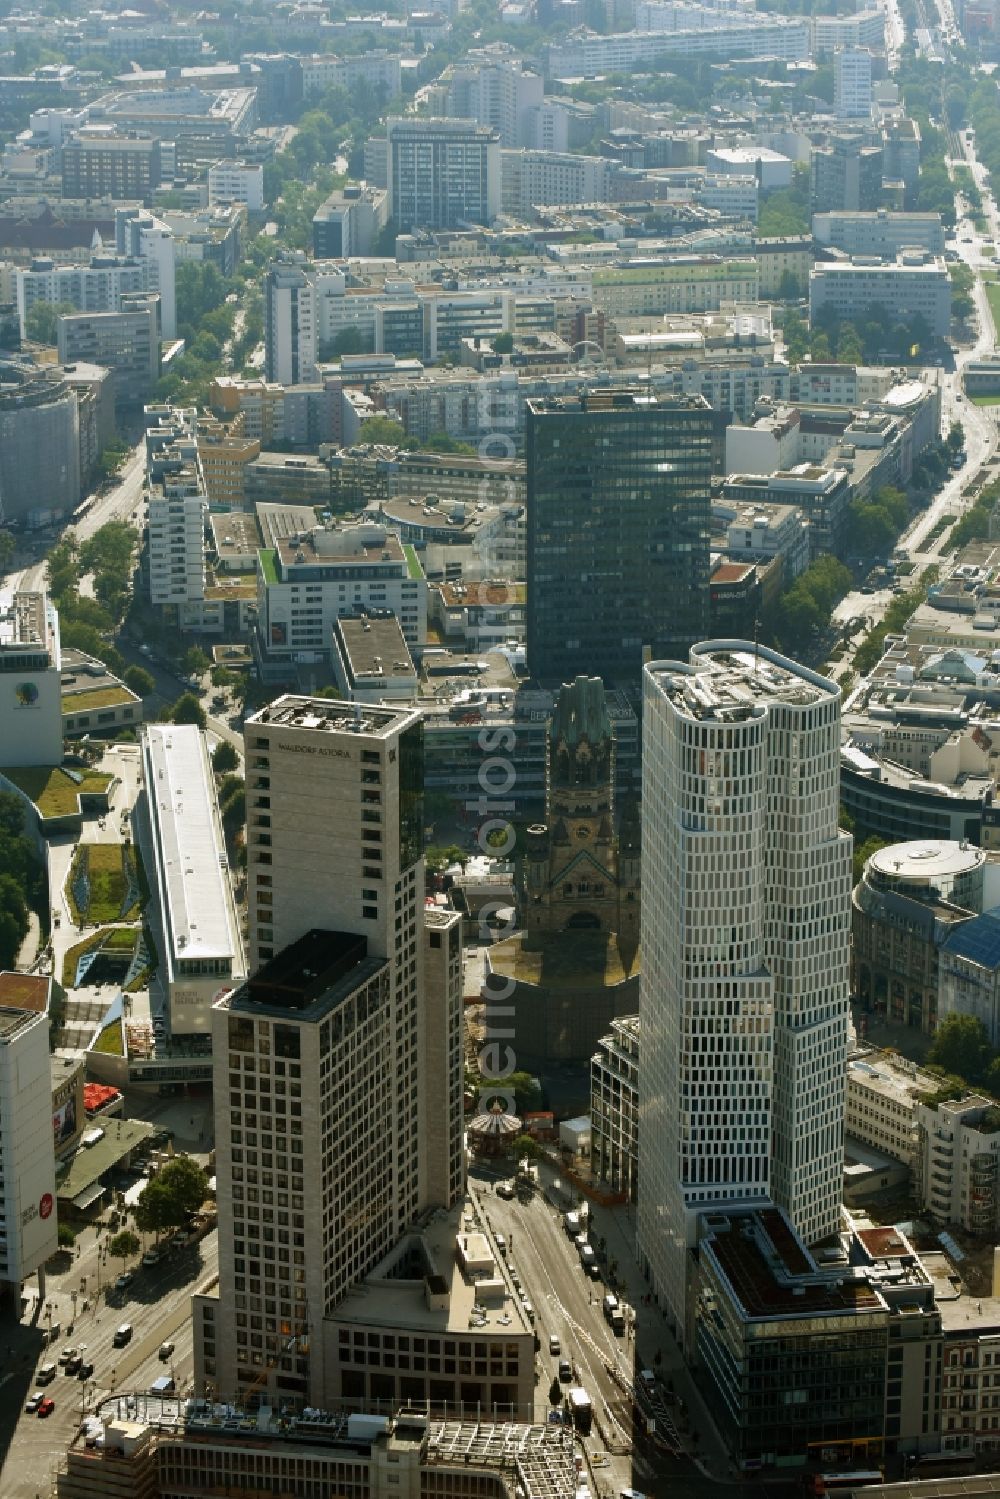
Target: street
<point>157,1304</point>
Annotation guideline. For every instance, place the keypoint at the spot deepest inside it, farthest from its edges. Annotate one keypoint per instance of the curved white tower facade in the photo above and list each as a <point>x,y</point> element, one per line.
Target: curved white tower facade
<point>745,922</point>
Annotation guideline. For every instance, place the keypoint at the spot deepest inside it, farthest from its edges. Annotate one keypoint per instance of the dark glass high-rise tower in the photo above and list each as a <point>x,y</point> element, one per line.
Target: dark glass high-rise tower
<point>618,532</point>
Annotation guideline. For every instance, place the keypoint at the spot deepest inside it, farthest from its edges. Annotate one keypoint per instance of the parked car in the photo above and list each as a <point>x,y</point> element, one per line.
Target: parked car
<point>46,1374</point>
<point>66,1355</point>
<point>151,1257</point>
<point>46,1407</point>
<point>33,1402</point>
<point>72,1364</point>
<point>124,1280</point>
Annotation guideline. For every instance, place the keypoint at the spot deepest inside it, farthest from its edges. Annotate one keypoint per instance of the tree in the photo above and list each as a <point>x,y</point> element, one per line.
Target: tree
<point>178,1190</point>
<point>961,1045</point>
<point>555,1391</point>
<point>187,709</point>
<point>42,321</point>
<point>140,681</point>
<point>224,757</point>
<point>526,1148</point>
<point>124,1245</point>
<point>864,851</point>
<point>66,1236</point>
<point>7,548</point>
<point>955,441</point>
<point>195,661</point>
<point>383,429</point>
<point>13,920</point>
<point>503,343</point>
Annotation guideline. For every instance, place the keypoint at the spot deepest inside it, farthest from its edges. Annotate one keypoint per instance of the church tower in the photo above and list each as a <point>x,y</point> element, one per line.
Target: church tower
<point>570,875</point>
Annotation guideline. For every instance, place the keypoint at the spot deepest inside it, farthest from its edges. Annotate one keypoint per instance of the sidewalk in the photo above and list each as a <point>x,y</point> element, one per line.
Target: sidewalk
<point>653,1336</point>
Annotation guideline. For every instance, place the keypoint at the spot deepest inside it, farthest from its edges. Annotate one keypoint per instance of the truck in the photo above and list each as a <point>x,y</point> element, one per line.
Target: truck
<point>581,1410</point>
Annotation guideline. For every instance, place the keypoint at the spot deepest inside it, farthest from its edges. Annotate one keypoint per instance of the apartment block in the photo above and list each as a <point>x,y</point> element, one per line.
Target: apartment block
<point>442,173</point>
<point>912,285</point>
<point>106,164</point>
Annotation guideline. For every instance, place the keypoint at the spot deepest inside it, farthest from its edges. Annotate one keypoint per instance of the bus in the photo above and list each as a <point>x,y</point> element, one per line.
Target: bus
<point>942,1464</point>
<point>856,1478</point>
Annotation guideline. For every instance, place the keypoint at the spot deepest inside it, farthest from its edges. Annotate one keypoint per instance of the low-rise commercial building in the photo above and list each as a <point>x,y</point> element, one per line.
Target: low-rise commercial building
<point>199,942</point>
<point>969,972</point>
<point>371,661</point>
<point>883,1094</point>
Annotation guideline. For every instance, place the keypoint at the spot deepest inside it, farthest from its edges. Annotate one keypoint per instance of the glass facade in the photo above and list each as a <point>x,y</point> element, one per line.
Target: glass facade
<point>618,513</point>
<point>411,795</point>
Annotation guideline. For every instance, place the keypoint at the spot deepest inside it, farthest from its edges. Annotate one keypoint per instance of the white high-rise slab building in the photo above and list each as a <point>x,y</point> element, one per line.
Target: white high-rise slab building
<point>852,83</point>
<point>745,921</point>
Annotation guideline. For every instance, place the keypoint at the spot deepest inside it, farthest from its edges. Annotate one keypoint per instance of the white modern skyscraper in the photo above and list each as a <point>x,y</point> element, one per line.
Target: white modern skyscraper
<point>338,1065</point>
<point>746,884</point>
<point>852,83</point>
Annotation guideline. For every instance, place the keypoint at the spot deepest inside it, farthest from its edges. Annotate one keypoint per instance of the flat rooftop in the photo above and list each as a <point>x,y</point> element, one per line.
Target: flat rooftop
<point>877,1073</point>
<point>336,545</point>
<point>328,716</point>
<point>235,537</point>
<point>277,522</point>
<point>375,647</point>
<point>13,1021</point>
<point>395,1293</point>
<point>593,401</point>
<point>23,620</point>
<point>191,866</point>
<point>771,1275</point>
<point>729,680</point>
<point>24,991</point>
<point>309,978</point>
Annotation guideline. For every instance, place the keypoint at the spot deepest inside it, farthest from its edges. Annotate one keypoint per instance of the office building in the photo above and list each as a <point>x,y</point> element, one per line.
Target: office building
<point>618,527</point>
<point>309,579</point>
<point>348,1026</point>
<point>442,173</point>
<point>237,182</point>
<point>39,445</point>
<point>745,929</point>
<point>371,661</point>
<point>349,222</point>
<point>148,240</point>
<point>587,55</point>
<point>614,1108</point>
<point>28,1185</point>
<point>906,910</point>
<point>97,165</point>
<point>93,386</point>
<point>913,285</point>
<point>882,233</point>
<point>30,675</point>
<point>846,174</point>
<point>862,28</point>
<point>830,1360</point>
<point>198,933</point>
<point>852,83</point>
<point>969,972</point>
<point>126,342</point>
